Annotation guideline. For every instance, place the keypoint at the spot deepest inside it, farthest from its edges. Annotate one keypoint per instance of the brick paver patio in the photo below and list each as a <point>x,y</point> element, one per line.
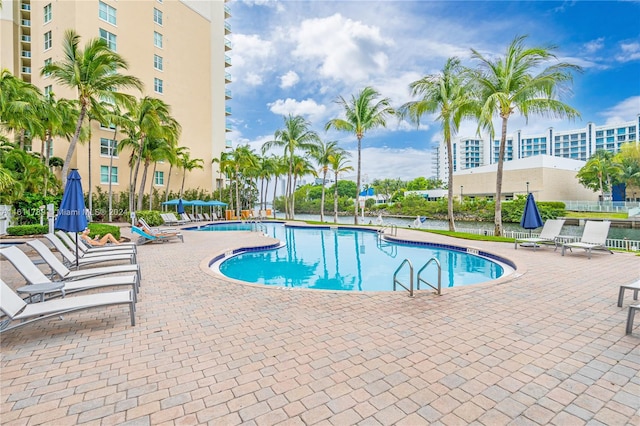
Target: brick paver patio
<point>543,346</point>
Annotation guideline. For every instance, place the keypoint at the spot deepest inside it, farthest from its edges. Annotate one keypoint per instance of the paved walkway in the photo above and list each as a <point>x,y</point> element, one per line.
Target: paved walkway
<point>544,346</point>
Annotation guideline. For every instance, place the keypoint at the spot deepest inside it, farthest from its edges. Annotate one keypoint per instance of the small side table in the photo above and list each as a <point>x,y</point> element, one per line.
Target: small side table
<point>41,289</point>
<point>561,239</point>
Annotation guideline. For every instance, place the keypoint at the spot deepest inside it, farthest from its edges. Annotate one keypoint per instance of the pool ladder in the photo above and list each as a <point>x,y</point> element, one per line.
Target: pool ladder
<point>257,225</point>
<point>391,227</point>
<point>397,282</point>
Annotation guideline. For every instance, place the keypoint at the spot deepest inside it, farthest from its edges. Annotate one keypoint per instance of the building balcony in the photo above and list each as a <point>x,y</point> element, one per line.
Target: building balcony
<point>25,7</point>
<point>227,77</point>
<point>25,38</point>
<point>26,54</point>
<point>228,143</point>
<point>227,110</point>
<point>227,61</point>
<point>227,28</point>
<point>25,23</point>
<point>227,45</point>
<point>26,70</point>
<point>227,94</point>
<point>227,12</point>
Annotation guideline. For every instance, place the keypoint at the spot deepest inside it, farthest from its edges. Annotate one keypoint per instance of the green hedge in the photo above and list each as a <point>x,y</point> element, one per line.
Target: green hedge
<point>20,230</point>
<point>103,229</point>
<point>152,217</point>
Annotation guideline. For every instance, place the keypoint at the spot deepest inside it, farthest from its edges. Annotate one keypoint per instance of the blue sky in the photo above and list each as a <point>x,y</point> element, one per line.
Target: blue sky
<point>297,57</point>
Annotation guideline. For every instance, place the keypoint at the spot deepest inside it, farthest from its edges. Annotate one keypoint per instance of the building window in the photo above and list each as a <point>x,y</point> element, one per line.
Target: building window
<point>47,40</point>
<point>108,147</point>
<point>47,13</point>
<point>157,62</point>
<point>47,91</point>
<point>158,179</point>
<point>157,16</point>
<point>157,39</point>
<point>47,62</point>
<point>107,13</point>
<point>104,174</point>
<point>109,38</point>
<point>158,85</point>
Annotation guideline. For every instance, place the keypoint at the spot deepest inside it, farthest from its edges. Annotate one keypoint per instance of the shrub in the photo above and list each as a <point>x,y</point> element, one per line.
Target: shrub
<point>152,217</point>
<point>102,229</point>
<point>20,230</point>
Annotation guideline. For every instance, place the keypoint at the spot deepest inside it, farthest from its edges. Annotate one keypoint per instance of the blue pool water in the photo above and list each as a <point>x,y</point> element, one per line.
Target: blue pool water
<point>347,259</point>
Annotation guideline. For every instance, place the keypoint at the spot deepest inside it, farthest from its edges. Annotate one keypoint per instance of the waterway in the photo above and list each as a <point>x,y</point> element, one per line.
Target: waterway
<point>614,233</point>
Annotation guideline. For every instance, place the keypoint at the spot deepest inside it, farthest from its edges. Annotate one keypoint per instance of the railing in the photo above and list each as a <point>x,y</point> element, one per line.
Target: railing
<point>634,212</point>
<point>600,206</point>
<point>438,289</point>
<point>391,227</point>
<point>620,244</point>
<point>395,277</point>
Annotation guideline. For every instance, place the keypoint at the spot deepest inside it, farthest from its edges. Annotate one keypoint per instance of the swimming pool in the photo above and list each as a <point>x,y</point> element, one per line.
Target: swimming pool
<point>348,259</point>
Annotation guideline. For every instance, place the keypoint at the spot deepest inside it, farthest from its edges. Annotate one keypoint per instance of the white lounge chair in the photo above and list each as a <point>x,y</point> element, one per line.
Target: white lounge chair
<point>66,274</point>
<point>83,250</point>
<point>18,310</point>
<point>82,261</point>
<point>34,276</point>
<point>594,236</point>
<point>548,235</point>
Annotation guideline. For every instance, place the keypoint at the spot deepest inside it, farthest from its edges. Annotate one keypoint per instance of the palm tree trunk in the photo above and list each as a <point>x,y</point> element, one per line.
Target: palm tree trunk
<point>266,190</point>
<point>143,182</point>
<point>184,175</point>
<point>324,180</point>
<point>498,213</point>
<point>275,190</point>
<point>90,184</point>
<point>355,217</point>
<point>293,199</point>
<point>153,177</point>
<point>166,195</point>
<point>452,225</point>
<point>237,195</point>
<point>110,197</point>
<point>335,200</point>
<point>72,145</point>
<point>137,170</point>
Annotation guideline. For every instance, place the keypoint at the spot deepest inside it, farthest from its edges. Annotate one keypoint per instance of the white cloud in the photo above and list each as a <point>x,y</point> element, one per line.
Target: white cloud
<point>382,163</point>
<point>290,79</point>
<point>252,79</point>
<point>630,52</point>
<point>341,48</point>
<point>594,45</point>
<point>623,111</point>
<point>307,108</point>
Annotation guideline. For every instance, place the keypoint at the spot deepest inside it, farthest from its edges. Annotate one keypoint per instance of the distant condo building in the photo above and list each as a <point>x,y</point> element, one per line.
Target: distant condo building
<point>178,48</point>
<point>577,144</point>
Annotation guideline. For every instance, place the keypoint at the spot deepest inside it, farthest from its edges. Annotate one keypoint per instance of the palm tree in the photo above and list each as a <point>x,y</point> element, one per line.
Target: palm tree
<point>281,166</point>
<point>301,167</point>
<point>506,85</point>
<point>94,73</point>
<point>188,164</point>
<point>115,118</point>
<point>598,172</point>
<point>447,94</point>
<point>338,162</point>
<point>174,160</point>
<point>18,101</point>
<point>295,136</point>
<point>323,156</point>
<point>628,162</point>
<point>363,113</point>
<point>266,169</point>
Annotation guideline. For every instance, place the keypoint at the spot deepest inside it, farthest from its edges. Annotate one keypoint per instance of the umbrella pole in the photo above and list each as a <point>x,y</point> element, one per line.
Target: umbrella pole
<point>77,262</point>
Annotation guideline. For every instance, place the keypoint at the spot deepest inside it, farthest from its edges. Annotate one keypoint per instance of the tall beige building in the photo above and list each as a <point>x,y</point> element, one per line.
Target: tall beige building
<point>177,48</point>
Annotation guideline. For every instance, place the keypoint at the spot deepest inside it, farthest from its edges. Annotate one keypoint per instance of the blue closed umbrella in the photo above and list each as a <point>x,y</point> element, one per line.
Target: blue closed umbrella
<point>531,216</point>
<point>180,207</point>
<point>71,215</point>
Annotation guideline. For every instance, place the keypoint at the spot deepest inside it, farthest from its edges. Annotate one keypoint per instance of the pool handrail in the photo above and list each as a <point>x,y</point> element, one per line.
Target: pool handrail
<point>437,289</point>
<point>395,277</point>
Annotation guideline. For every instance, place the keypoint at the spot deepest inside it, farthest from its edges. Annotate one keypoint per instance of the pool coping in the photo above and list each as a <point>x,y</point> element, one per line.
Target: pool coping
<point>218,257</point>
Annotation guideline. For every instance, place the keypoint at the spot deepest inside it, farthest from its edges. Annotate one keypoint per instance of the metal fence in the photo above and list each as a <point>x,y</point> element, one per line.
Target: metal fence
<point>601,206</point>
<point>624,244</point>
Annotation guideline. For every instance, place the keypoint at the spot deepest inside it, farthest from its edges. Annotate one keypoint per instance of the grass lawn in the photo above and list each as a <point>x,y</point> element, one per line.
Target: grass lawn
<point>596,215</point>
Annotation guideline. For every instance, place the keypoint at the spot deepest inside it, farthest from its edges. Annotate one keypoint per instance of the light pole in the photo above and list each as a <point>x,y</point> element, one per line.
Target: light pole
<point>461,193</point>
<point>527,188</point>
